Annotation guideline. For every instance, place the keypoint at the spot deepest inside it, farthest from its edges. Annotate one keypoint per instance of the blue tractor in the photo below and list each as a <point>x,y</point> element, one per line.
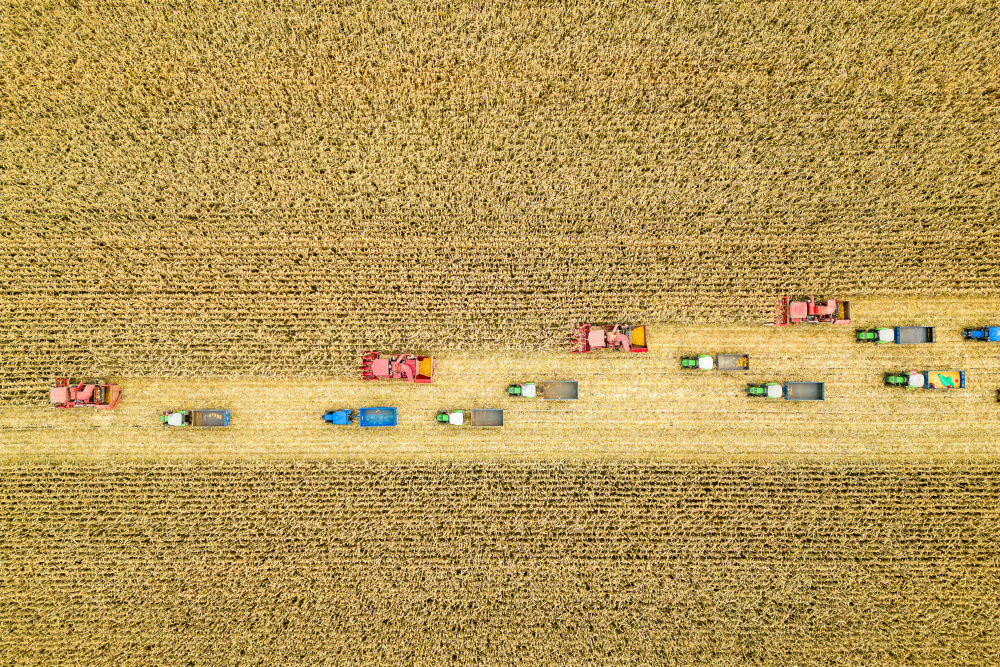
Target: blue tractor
<point>366,417</point>
<point>988,334</point>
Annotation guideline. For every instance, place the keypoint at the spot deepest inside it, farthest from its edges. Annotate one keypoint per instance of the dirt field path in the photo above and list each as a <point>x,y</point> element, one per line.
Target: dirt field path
<point>630,405</point>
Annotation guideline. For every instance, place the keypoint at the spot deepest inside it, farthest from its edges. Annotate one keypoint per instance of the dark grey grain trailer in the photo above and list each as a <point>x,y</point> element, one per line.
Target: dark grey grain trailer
<point>805,391</point>
<point>914,335</point>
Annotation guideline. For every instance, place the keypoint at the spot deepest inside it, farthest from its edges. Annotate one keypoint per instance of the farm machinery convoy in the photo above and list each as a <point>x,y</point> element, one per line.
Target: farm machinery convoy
<point>420,369</point>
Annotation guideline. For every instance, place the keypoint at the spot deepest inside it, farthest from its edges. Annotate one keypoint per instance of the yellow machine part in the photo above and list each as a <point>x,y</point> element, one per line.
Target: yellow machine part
<point>638,336</point>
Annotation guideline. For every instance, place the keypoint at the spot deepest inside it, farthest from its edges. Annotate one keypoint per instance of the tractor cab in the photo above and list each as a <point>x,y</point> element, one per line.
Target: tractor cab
<point>703,362</point>
<point>102,394</point>
<point>990,334</point>
<point>769,390</point>
<point>911,380</point>
<point>179,418</point>
<point>883,335</point>
<point>455,417</point>
<point>338,417</point>
<point>402,367</point>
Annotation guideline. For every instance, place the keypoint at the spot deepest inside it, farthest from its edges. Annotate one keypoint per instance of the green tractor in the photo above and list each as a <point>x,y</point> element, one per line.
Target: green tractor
<point>702,362</point>
<point>525,390</point>
<point>456,417</point>
<point>912,380</point>
<point>883,335</point>
<point>766,390</point>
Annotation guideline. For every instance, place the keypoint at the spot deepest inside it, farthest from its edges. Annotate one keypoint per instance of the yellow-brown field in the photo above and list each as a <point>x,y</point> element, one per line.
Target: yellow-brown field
<point>313,563</point>
<point>224,203</point>
<point>269,188</point>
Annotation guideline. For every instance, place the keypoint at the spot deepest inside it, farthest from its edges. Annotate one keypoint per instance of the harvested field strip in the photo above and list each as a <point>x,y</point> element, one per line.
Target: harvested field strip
<point>855,564</point>
<point>640,405</point>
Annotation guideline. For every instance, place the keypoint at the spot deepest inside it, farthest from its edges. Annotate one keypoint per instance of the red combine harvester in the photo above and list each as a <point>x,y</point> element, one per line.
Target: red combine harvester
<point>409,367</point>
<point>811,311</point>
<point>588,337</point>
<point>97,395</point>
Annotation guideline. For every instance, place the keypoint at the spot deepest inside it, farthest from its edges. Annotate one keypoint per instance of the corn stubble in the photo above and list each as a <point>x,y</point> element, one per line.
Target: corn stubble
<point>631,405</point>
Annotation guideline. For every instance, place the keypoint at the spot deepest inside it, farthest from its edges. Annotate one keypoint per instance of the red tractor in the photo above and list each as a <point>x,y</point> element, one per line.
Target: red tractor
<point>812,311</point>
<point>588,337</point>
<point>409,367</point>
<point>97,395</point>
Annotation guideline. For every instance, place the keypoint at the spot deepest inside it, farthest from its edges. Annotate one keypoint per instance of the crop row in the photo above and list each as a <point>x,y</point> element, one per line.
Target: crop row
<point>905,513</point>
<point>390,562</point>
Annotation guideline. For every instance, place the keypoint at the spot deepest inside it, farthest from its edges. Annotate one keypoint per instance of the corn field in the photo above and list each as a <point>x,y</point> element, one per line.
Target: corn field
<point>567,564</point>
<point>269,188</point>
<point>225,203</point>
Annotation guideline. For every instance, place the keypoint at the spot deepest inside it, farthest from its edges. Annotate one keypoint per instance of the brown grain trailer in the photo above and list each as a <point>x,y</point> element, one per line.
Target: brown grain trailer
<point>485,417</point>
<point>561,390</point>
<point>732,362</point>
